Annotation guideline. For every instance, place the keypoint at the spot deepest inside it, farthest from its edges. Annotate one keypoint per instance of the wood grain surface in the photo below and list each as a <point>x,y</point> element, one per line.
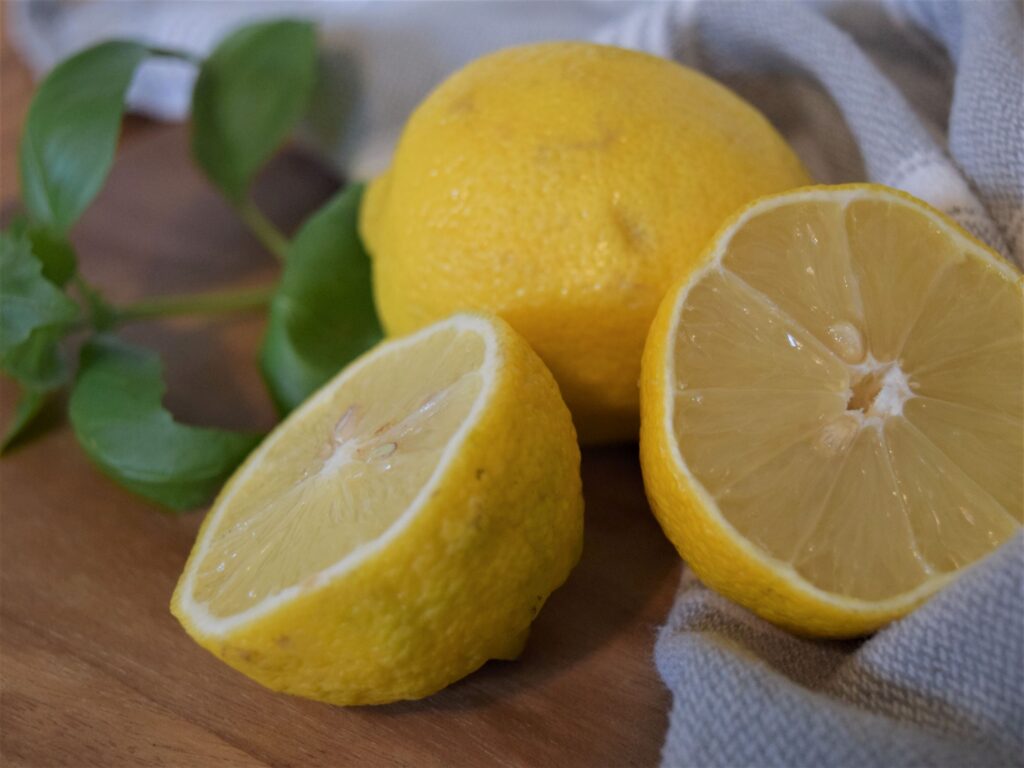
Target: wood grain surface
<point>93,668</point>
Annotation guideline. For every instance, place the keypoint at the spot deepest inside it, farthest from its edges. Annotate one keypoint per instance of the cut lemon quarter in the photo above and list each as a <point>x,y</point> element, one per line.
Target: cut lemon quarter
<point>832,407</point>
<point>400,528</point>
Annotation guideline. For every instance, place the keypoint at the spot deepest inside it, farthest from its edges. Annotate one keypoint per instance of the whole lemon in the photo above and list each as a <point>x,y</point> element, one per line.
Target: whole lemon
<point>564,186</point>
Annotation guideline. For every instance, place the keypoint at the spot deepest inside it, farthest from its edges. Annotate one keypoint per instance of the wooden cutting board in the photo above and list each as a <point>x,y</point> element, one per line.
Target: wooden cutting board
<point>95,671</point>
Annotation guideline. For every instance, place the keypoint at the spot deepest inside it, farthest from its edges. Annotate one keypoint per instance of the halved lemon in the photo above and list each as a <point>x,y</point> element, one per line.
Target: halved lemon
<point>400,528</point>
<point>832,407</point>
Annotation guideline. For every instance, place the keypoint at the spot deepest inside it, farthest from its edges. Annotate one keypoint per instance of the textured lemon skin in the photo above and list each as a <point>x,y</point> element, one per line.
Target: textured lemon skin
<point>717,553</point>
<point>563,186</point>
<point>460,585</point>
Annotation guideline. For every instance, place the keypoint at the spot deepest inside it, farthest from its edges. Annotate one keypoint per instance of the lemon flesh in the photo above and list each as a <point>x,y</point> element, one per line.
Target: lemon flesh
<point>842,393</point>
<point>344,476</point>
<point>381,542</point>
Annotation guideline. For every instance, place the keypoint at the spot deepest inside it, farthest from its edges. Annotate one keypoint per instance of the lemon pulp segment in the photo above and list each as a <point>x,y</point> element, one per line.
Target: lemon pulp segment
<point>349,469</point>
<point>846,385</point>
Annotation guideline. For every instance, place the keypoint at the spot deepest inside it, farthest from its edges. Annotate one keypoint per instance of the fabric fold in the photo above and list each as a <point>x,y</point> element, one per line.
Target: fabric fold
<point>942,687</point>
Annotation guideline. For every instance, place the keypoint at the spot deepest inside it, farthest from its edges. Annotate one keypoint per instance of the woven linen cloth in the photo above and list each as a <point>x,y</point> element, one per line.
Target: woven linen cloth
<point>942,687</point>
<point>927,96</point>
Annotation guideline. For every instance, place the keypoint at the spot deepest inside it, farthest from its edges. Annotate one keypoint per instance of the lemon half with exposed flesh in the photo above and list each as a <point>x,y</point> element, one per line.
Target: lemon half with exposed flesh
<point>400,528</point>
<point>832,407</point>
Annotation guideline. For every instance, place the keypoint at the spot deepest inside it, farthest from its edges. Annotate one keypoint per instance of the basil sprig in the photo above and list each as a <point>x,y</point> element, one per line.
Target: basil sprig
<point>249,95</point>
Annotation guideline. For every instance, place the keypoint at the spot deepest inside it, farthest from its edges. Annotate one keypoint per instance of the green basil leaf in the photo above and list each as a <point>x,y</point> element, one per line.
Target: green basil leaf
<point>118,418</point>
<point>40,368</point>
<point>30,403</point>
<point>69,138</point>
<point>55,253</point>
<point>34,316</point>
<point>28,301</point>
<point>322,316</point>
<point>38,363</point>
<point>249,94</point>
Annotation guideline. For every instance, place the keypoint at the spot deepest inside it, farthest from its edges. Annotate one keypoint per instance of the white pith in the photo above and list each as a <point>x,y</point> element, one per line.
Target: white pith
<point>894,392</point>
<point>209,624</point>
